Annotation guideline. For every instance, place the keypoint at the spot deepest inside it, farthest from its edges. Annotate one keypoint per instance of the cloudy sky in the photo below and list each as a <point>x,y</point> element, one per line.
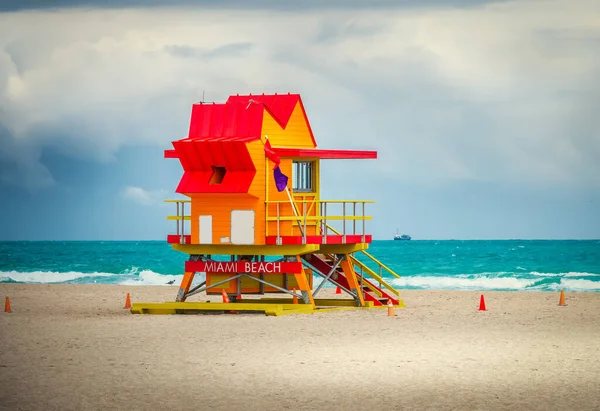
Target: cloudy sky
<point>486,115</point>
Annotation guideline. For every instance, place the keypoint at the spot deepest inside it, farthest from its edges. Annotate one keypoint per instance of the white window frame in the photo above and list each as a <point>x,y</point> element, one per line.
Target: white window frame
<point>303,176</point>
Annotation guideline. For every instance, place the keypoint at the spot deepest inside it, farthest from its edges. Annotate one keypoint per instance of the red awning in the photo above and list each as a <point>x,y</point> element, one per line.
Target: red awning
<point>171,154</point>
<point>325,154</point>
<point>199,158</point>
<point>311,153</point>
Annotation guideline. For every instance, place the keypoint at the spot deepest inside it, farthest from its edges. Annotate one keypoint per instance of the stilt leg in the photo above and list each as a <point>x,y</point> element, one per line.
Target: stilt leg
<point>353,285</point>
<point>188,277</point>
<point>304,286</point>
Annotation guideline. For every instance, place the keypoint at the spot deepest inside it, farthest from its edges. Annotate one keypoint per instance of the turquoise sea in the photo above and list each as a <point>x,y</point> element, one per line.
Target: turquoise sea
<point>535,265</point>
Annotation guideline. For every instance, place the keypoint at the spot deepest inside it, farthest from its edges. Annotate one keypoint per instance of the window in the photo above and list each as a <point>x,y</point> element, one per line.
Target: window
<point>303,176</point>
<point>218,173</point>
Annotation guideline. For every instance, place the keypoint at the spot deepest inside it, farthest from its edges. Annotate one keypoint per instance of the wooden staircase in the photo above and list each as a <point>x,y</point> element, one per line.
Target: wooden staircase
<point>378,292</point>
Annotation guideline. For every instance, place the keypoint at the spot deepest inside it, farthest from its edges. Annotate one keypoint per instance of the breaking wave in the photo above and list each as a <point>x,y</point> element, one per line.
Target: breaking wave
<point>534,281</point>
<point>133,276</point>
<point>520,281</point>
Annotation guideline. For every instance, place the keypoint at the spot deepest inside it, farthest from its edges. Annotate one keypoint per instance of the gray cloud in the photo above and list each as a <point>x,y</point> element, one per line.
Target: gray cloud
<point>537,127</point>
<point>329,33</point>
<point>271,5</point>
<point>20,164</point>
<point>227,50</point>
<point>505,93</point>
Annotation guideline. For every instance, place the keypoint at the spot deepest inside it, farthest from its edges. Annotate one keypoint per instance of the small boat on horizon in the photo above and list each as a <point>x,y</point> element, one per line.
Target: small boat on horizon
<point>401,237</point>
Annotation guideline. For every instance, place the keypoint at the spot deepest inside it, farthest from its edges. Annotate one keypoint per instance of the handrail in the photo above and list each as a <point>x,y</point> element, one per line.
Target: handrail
<point>321,201</point>
<point>372,273</point>
<point>302,207</point>
<point>348,201</point>
<point>375,260</point>
<point>379,263</point>
<point>317,218</point>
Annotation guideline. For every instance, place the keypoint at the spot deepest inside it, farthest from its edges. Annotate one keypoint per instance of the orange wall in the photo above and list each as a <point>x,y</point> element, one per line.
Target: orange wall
<point>220,205</point>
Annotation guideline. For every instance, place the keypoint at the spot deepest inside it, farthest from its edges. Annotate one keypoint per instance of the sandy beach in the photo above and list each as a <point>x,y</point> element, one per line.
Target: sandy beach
<point>74,347</point>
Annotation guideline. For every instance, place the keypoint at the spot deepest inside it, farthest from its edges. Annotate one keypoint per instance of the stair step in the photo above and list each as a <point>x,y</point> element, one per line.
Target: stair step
<point>374,295</point>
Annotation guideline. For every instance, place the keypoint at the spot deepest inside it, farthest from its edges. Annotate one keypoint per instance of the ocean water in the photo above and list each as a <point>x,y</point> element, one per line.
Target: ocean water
<point>528,265</point>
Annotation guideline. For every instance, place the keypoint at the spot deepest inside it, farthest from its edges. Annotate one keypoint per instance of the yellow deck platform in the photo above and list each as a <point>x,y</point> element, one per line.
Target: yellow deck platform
<point>274,307</point>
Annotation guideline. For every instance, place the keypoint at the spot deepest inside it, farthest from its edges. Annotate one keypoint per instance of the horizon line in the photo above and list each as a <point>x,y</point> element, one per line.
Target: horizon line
<point>378,240</point>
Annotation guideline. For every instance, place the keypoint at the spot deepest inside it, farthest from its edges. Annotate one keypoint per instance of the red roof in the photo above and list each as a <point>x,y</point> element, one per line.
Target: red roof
<point>240,117</point>
<point>226,122</point>
<point>280,106</point>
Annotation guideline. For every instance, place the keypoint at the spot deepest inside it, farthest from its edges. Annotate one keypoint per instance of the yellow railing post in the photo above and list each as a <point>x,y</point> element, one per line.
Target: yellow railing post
<point>304,232</point>
<point>363,222</point>
<point>325,219</point>
<point>354,221</point>
<point>278,242</point>
<point>177,222</point>
<point>266,218</point>
<point>182,240</point>
<point>344,223</point>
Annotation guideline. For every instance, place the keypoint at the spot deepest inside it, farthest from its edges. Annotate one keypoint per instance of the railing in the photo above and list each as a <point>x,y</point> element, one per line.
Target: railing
<point>303,218</point>
<point>181,218</point>
<point>306,213</point>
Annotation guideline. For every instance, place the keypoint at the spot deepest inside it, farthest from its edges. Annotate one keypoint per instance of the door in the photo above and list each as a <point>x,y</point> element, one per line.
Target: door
<point>242,226</point>
<point>205,231</point>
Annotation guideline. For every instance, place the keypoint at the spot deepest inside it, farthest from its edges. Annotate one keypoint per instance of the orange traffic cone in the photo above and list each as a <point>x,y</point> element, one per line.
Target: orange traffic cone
<point>562,298</point>
<point>482,304</point>
<point>127,301</point>
<point>7,306</point>
<point>226,300</point>
<point>294,298</point>
<point>390,308</point>
<point>338,290</point>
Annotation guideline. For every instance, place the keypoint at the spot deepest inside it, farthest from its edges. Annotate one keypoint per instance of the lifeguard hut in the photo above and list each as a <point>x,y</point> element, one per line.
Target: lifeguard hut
<point>257,224</point>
